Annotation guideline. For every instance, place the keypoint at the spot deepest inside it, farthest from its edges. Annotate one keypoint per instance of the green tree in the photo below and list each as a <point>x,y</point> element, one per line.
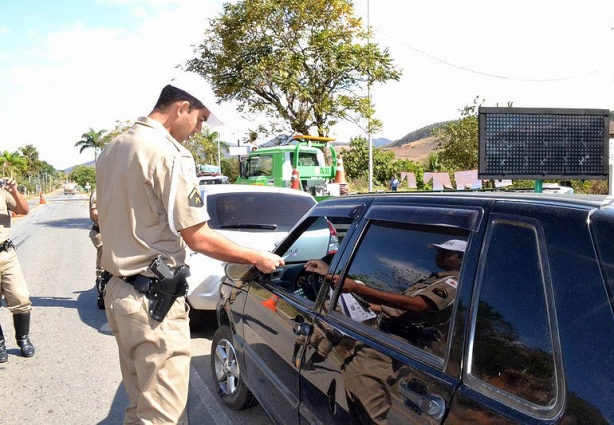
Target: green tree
<point>120,127</point>
<point>204,146</point>
<point>459,140</point>
<point>356,162</point>
<point>13,164</point>
<point>33,163</point>
<point>91,140</point>
<point>230,168</point>
<point>302,62</point>
<point>408,165</point>
<point>83,174</point>
<point>432,163</point>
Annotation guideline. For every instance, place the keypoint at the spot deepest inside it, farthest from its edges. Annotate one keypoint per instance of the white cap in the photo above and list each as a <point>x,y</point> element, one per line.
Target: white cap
<point>196,86</point>
<point>451,245</point>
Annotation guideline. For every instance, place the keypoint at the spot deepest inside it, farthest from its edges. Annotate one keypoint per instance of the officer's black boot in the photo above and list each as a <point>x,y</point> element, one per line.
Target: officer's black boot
<point>22,332</point>
<point>4,357</point>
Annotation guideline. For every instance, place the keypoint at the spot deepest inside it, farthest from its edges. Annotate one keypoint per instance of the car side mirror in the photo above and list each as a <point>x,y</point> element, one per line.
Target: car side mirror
<point>241,272</point>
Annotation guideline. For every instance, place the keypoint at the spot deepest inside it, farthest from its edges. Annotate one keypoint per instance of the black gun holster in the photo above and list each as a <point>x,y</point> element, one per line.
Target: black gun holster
<point>163,293</point>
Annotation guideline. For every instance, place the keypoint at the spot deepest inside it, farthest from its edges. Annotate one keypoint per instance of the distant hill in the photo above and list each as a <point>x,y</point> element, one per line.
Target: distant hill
<point>415,135</point>
<point>382,141</point>
<point>69,169</point>
<point>416,145</point>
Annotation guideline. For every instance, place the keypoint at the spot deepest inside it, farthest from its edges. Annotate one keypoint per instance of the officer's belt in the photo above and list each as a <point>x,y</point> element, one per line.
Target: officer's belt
<point>96,228</point>
<point>6,245</point>
<point>141,283</point>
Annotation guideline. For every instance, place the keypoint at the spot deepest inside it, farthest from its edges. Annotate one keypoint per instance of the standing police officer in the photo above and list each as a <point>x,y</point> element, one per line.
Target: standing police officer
<point>150,207</point>
<point>12,283</point>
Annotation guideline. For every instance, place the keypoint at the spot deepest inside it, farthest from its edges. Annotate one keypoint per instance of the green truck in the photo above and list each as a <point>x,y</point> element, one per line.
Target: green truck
<point>272,164</point>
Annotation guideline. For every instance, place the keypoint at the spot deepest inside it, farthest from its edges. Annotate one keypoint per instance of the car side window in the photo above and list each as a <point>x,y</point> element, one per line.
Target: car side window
<point>319,239</point>
<point>402,281</point>
<point>512,351</point>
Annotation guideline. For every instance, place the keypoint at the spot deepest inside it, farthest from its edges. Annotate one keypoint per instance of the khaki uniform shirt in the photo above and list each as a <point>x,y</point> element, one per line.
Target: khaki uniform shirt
<point>7,204</point>
<point>440,288</point>
<point>136,174</point>
<point>423,328</point>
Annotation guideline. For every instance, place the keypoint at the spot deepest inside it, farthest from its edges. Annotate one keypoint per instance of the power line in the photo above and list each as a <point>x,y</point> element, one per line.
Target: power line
<point>486,74</point>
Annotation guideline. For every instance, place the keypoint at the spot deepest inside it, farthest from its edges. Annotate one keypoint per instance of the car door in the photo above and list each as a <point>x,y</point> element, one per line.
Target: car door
<point>278,315</point>
<point>368,360</point>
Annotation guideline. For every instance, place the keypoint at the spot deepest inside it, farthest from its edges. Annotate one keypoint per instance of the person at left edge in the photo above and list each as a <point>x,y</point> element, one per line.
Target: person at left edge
<point>148,205</point>
<point>12,282</point>
<point>97,242</point>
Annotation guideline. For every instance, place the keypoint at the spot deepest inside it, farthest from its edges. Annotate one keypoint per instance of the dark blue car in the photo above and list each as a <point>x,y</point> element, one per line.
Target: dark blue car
<point>432,308</point>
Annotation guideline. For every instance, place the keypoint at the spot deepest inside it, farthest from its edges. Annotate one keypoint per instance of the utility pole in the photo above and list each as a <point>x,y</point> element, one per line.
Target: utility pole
<point>369,97</point>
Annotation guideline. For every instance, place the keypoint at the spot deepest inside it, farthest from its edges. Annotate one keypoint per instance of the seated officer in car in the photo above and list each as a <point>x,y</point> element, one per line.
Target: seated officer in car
<point>436,292</point>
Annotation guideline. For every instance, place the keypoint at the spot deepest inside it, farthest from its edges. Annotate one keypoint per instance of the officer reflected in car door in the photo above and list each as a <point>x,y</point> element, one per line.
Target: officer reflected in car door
<point>405,298</point>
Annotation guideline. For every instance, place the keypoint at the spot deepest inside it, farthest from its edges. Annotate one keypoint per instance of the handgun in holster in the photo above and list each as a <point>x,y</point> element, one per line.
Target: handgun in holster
<point>167,288</point>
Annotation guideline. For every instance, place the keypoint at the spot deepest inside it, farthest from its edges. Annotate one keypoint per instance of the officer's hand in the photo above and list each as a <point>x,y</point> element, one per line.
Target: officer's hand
<point>268,262</point>
<point>10,184</point>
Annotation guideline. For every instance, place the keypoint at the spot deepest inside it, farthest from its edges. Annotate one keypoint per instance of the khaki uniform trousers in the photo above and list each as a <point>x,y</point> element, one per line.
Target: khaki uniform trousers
<point>97,242</point>
<point>12,283</point>
<point>154,357</point>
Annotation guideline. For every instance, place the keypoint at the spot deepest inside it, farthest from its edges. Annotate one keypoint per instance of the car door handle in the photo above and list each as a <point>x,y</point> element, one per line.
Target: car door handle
<point>429,404</point>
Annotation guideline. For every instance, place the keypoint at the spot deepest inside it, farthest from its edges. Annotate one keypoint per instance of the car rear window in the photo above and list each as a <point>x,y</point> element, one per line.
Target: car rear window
<point>253,211</point>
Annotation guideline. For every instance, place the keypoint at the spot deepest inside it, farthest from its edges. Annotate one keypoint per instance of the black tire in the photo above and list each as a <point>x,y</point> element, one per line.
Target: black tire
<point>226,373</point>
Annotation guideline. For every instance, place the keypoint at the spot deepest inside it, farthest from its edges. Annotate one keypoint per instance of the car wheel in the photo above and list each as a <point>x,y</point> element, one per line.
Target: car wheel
<point>226,372</point>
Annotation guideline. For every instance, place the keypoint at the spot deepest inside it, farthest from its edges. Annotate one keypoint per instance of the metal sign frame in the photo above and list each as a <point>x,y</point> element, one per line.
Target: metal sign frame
<point>543,143</point>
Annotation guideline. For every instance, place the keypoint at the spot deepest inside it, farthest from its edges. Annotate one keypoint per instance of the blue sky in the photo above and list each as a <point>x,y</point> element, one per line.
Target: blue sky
<point>66,66</point>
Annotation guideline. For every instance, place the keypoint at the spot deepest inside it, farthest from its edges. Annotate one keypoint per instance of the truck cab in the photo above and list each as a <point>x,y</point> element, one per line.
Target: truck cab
<point>313,157</point>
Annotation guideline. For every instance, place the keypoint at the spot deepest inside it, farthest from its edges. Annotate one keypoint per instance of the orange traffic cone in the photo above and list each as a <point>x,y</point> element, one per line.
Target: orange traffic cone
<point>271,303</point>
<point>340,177</point>
<point>295,184</point>
<point>42,199</point>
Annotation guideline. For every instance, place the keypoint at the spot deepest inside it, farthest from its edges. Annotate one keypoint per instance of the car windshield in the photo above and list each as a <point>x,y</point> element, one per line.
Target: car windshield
<point>266,211</point>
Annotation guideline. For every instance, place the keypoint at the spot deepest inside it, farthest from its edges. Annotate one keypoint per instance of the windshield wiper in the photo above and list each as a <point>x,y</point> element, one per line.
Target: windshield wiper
<point>249,226</point>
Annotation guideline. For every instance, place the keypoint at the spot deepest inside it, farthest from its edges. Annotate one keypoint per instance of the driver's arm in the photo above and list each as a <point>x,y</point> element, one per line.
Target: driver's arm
<point>316,266</point>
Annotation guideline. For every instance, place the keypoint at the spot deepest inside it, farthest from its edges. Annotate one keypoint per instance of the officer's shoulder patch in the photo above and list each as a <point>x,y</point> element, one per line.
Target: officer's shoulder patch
<point>194,199</point>
<point>441,293</point>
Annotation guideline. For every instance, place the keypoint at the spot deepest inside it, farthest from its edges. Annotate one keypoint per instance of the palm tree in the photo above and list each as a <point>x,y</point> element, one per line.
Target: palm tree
<point>92,140</point>
<point>13,164</point>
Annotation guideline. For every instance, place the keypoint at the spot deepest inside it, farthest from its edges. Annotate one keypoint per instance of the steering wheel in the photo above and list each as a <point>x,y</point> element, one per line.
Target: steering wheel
<point>309,282</point>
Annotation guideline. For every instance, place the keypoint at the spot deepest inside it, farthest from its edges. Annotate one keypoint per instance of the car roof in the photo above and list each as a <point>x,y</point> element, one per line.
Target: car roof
<point>246,188</point>
<point>578,200</point>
